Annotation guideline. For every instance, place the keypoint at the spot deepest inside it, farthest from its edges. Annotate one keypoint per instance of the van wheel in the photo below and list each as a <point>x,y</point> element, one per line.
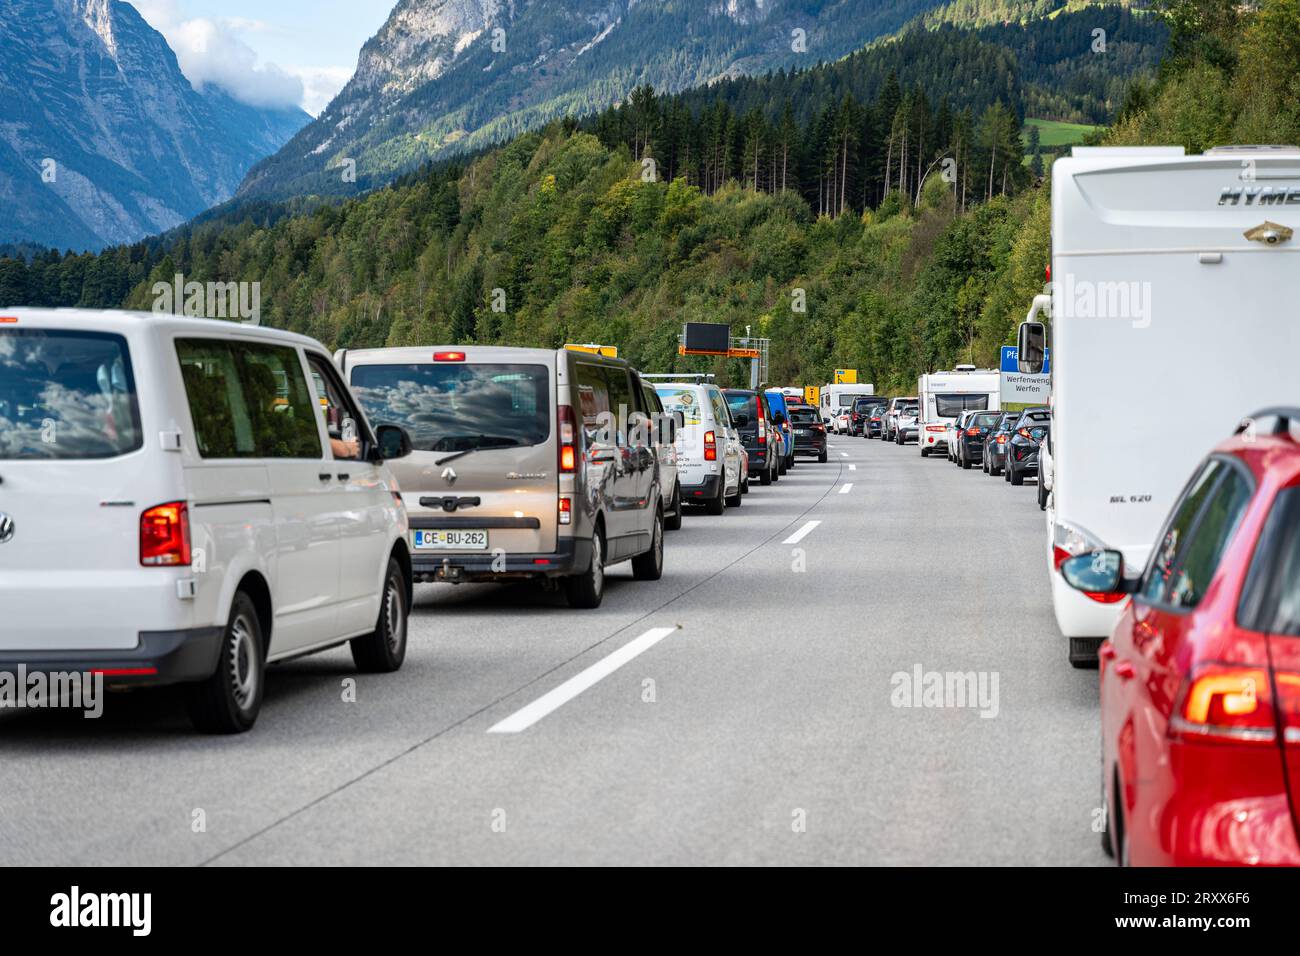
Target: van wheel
<point>822,458</point>
<point>735,500</point>
<point>925,453</point>
<point>674,521</point>
<point>229,700</point>
<point>715,506</point>
<point>586,590</point>
<point>650,566</point>
<point>384,649</point>
<point>766,477</point>
<point>965,464</point>
<point>1042,493</point>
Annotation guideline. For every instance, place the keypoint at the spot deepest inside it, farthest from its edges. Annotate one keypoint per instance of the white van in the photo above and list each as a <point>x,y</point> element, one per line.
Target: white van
<point>186,501</point>
<point>1173,310</point>
<point>836,397</point>
<point>945,395</point>
<point>712,464</point>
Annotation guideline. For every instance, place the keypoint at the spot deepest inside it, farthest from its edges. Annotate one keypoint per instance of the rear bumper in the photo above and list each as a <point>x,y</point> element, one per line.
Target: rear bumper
<point>706,490</point>
<point>809,446</point>
<point>571,556</point>
<point>161,657</point>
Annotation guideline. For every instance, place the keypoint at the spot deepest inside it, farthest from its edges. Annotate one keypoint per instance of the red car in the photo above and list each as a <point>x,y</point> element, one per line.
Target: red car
<point>1200,681</point>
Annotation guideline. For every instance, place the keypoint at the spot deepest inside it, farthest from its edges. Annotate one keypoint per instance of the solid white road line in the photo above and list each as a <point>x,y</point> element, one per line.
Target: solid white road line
<point>571,688</point>
<point>801,533</point>
<point>845,489</point>
<point>853,467</point>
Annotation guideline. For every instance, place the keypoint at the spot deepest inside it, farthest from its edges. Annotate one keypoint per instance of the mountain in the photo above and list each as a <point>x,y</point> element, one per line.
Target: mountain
<point>102,138</point>
<point>444,76</point>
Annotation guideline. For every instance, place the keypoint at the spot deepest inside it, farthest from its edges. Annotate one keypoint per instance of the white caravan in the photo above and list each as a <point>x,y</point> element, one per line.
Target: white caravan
<point>835,397</point>
<point>1173,307</point>
<point>945,395</point>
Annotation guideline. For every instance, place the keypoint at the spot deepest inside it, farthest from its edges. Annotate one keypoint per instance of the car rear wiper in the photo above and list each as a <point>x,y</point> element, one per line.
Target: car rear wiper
<point>479,445</point>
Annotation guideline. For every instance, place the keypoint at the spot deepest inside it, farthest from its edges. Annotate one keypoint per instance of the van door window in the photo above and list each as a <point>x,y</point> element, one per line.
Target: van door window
<point>593,397</point>
<point>621,402</point>
<point>248,400</point>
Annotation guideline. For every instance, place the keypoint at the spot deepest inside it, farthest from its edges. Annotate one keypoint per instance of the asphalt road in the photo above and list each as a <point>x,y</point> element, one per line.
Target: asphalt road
<point>760,722</point>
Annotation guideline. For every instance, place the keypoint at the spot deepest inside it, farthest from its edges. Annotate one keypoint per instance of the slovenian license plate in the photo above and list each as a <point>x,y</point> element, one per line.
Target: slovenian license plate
<point>450,540</point>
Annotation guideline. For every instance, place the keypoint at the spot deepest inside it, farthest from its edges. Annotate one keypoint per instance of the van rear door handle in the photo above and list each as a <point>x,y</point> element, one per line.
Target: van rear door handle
<point>344,476</point>
<point>325,476</point>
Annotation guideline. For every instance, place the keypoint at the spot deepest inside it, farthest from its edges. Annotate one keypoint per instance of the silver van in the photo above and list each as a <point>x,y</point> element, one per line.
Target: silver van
<point>527,463</point>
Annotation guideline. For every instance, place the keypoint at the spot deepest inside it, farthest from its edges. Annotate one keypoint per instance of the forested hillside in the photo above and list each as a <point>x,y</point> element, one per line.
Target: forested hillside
<point>584,245</point>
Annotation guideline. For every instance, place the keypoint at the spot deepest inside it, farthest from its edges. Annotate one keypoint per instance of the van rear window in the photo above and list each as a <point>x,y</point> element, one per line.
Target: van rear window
<point>456,406</point>
<point>952,405</point>
<point>66,395</point>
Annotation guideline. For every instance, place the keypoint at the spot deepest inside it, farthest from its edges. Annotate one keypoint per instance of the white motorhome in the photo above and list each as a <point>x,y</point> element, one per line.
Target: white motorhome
<point>945,395</point>
<point>835,397</point>
<point>1173,312</point>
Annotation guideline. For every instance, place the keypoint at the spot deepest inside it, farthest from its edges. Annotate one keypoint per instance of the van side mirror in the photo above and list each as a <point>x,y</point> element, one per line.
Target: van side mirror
<point>394,442</point>
<point>1031,348</point>
<point>1097,572</point>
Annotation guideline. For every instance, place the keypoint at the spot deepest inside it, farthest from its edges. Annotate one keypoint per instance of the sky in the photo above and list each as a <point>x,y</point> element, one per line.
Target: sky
<point>268,52</point>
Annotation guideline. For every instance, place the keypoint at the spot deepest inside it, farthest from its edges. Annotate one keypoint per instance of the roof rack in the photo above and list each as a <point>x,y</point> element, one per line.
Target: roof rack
<point>1286,417</point>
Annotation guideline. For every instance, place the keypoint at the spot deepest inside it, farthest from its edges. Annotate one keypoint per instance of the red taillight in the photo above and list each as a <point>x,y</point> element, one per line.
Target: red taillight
<point>449,356</point>
<point>1227,702</point>
<point>567,425</point>
<point>1060,556</point>
<point>1024,433</point>
<point>165,535</point>
<point>1002,439</point>
<point>935,428</point>
<point>1288,704</point>
<point>710,446</point>
<point>972,431</point>
<point>8,320</point>
<point>566,510</point>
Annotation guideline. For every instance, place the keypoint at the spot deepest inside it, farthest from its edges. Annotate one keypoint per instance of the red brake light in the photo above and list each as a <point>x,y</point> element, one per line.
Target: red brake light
<point>1024,433</point>
<point>1002,439</point>
<point>165,535</point>
<point>972,431</point>
<point>449,356</point>
<point>710,446</point>
<point>8,320</point>
<point>1228,702</point>
<point>566,510</point>
<point>567,424</point>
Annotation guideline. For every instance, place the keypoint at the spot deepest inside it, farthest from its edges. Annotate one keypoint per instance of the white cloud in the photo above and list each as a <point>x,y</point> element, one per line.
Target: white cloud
<point>320,84</point>
<point>211,52</point>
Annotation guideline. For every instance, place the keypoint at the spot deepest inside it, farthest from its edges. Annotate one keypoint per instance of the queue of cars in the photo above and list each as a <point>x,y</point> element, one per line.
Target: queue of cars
<point>238,496</point>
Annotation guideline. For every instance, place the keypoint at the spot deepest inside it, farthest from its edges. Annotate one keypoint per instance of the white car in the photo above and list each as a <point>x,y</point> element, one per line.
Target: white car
<point>712,464</point>
<point>186,501</point>
<point>842,418</point>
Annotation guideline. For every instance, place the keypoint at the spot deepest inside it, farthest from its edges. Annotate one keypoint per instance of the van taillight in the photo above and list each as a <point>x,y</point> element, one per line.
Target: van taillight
<point>972,431</point>
<point>566,510</point>
<point>1226,702</point>
<point>568,429</point>
<point>710,446</point>
<point>165,535</point>
<point>449,356</point>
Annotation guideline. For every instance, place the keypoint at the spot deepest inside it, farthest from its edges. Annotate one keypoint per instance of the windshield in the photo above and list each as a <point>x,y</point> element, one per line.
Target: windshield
<point>458,407</point>
<point>66,395</point>
<point>985,421</point>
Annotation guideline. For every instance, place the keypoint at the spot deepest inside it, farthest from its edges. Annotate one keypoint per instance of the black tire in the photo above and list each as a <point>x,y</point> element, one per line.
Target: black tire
<point>649,566</point>
<point>822,458</point>
<point>925,453</point>
<point>1107,846</point>
<point>965,464</point>
<point>228,702</point>
<point>1083,653</point>
<point>587,589</point>
<point>744,486</point>
<point>1017,477</point>
<point>766,477</point>
<point>1042,493</point>
<point>673,522</point>
<point>735,500</point>
<point>383,650</point>
<point>715,505</point>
